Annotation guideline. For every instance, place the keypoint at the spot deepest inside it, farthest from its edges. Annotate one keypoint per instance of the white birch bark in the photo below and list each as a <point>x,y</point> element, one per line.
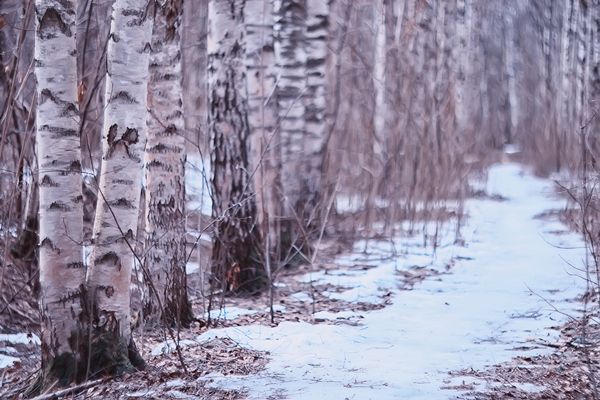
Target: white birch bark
<point>400,5</point>
<point>237,248</point>
<point>461,53</point>
<point>165,160</point>
<point>379,83</point>
<point>291,61</point>
<point>265,147</point>
<point>62,271</point>
<point>123,139</point>
<point>315,102</point>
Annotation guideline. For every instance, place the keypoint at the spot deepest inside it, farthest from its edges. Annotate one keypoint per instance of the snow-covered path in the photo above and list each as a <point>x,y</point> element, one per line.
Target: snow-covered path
<point>473,317</point>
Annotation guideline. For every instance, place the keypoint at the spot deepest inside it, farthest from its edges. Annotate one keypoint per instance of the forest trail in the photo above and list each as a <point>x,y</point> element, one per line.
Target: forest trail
<point>497,302</point>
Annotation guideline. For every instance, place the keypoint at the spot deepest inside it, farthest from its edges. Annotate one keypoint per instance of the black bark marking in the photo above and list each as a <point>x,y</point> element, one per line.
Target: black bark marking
<point>110,291</point>
<point>45,95</point>
<point>109,258</point>
<point>51,23</point>
<point>70,297</point>
<point>112,134</point>
<point>123,97</point>
<point>58,206</point>
<point>121,203</point>
<point>130,136</point>
<point>132,12</point>
<point>123,182</point>
<point>70,110</point>
<point>48,182</point>
<point>47,243</point>
<point>313,63</point>
<point>156,164</point>
<point>75,166</point>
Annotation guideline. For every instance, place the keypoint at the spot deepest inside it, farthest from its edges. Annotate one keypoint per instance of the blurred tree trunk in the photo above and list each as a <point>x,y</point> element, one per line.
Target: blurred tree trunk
<point>265,145</point>
<point>165,160</point>
<point>123,140</point>
<point>237,251</point>
<point>193,36</point>
<point>315,99</point>
<point>301,31</point>
<point>512,120</point>
<point>290,56</point>
<point>379,83</point>
<point>62,271</point>
<point>463,60</point>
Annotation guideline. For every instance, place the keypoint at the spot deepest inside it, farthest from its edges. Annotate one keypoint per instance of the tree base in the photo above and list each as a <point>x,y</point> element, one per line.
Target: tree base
<point>110,355</point>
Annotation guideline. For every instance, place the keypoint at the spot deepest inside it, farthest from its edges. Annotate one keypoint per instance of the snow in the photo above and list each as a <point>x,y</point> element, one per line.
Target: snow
<point>230,313</point>
<point>494,300</point>
<point>191,267</point>
<point>7,361</point>
<point>169,347</point>
<point>197,184</point>
<point>20,338</point>
<point>17,338</point>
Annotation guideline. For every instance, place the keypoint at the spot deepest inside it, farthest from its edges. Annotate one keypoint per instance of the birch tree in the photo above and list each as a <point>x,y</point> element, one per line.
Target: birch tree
<point>315,101</point>
<point>165,172</point>
<point>291,62</point>
<point>300,52</point>
<point>265,144</point>
<point>510,62</point>
<point>62,271</point>
<point>379,64</point>
<point>237,248</point>
<point>123,139</point>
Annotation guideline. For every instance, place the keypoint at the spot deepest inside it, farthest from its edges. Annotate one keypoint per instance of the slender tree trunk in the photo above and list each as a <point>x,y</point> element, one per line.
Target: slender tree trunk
<point>509,59</point>
<point>165,173</point>
<point>62,271</point>
<point>193,37</point>
<point>462,60</point>
<point>237,249</point>
<point>124,136</point>
<point>379,83</point>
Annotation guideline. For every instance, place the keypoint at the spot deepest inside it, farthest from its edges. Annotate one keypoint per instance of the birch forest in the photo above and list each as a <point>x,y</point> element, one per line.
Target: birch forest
<point>175,171</point>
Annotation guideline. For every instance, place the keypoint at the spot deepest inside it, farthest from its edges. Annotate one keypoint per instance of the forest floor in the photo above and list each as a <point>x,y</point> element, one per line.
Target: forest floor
<point>491,313</point>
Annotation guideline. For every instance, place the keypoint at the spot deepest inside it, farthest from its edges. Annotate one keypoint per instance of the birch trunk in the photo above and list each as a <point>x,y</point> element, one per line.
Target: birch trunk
<point>62,271</point>
<point>315,100</point>
<point>262,119</point>
<point>509,59</point>
<point>291,61</point>
<point>193,38</point>
<point>124,136</point>
<point>379,76</point>
<point>462,59</point>
<point>237,248</point>
<point>165,173</point>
